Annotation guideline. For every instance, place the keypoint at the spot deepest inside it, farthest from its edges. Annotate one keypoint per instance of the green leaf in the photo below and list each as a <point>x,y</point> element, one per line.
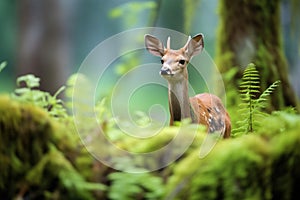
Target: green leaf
<point>62,88</point>
<point>30,80</point>
<point>3,65</point>
<point>135,184</point>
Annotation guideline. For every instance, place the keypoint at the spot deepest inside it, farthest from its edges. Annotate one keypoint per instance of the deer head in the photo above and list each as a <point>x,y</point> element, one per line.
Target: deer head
<point>174,62</point>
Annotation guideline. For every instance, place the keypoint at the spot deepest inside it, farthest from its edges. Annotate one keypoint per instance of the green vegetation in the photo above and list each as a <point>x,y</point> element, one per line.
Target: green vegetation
<point>254,38</point>
<point>253,166</point>
<point>137,186</point>
<point>42,156</point>
<point>252,105</point>
<point>38,155</point>
<point>29,94</point>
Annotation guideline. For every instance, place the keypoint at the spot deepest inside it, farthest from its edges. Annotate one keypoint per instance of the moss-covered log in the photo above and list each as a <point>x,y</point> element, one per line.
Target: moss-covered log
<point>249,31</point>
<point>24,133</point>
<point>262,166</point>
<point>40,157</point>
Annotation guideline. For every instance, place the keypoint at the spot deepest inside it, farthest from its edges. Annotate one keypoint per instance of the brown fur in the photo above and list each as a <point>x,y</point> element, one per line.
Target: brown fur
<point>209,111</point>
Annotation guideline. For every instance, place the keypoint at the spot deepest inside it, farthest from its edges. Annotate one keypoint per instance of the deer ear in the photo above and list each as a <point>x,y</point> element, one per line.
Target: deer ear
<point>194,45</point>
<point>154,45</point>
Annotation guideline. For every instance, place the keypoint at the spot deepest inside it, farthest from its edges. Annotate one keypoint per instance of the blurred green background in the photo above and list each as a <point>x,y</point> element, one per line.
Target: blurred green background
<point>51,38</point>
<point>33,32</point>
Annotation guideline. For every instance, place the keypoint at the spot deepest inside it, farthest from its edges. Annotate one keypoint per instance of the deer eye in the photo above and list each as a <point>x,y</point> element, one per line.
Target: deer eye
<point>182,62</point>
<point>162,61</point>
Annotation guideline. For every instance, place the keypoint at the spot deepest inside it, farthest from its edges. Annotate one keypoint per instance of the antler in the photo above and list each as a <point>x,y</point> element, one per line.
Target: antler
<point>187,42</point>
<point>168,43</point>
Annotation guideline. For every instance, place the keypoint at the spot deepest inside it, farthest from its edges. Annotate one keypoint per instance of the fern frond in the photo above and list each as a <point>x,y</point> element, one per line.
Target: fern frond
<point>263,97</point>
<point>252,102</point>
<point>250,84</point>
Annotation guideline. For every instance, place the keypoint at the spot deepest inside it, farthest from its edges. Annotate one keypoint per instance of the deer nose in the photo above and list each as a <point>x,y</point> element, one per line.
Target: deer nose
<point>165,71</point>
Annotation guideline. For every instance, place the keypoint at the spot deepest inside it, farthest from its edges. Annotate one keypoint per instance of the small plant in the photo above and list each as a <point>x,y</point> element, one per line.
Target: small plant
<point>30,93</point>
<point>128,186</point>
<point>253,101</point>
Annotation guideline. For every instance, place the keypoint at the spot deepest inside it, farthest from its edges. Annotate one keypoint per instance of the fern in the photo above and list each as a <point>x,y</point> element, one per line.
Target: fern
<point>262,100</point>
<point>253,101</point>
<point>138,186</point>
<point>249,90</point>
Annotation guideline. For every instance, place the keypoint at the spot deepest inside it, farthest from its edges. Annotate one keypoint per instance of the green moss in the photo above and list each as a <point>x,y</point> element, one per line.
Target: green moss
<point>41,158</point>
<point>226,172</point>
<point>285,154</point>
<point>166,146</point>
<point>261,166</point>
<point>25,131</point>
<point>285,166</point>
<point>38,154</point>
<point>164,137</point>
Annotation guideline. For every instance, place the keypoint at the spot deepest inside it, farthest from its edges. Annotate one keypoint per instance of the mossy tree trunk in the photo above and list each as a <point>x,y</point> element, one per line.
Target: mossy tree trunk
<point>249,31</point>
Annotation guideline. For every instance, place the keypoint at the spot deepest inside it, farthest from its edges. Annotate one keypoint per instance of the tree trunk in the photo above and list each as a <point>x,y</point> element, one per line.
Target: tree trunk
<point>44,41</point>
<point>249,31</point>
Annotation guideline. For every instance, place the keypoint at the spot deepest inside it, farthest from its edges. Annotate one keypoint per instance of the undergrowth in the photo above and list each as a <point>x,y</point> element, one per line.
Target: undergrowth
<point>28,91</point>
<point>253,101</point>
<point>77,172</point>
<point>65,162</point>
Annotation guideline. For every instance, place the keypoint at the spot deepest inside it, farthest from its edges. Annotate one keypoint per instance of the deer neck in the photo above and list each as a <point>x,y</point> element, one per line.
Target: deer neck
<point>179,102</point>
